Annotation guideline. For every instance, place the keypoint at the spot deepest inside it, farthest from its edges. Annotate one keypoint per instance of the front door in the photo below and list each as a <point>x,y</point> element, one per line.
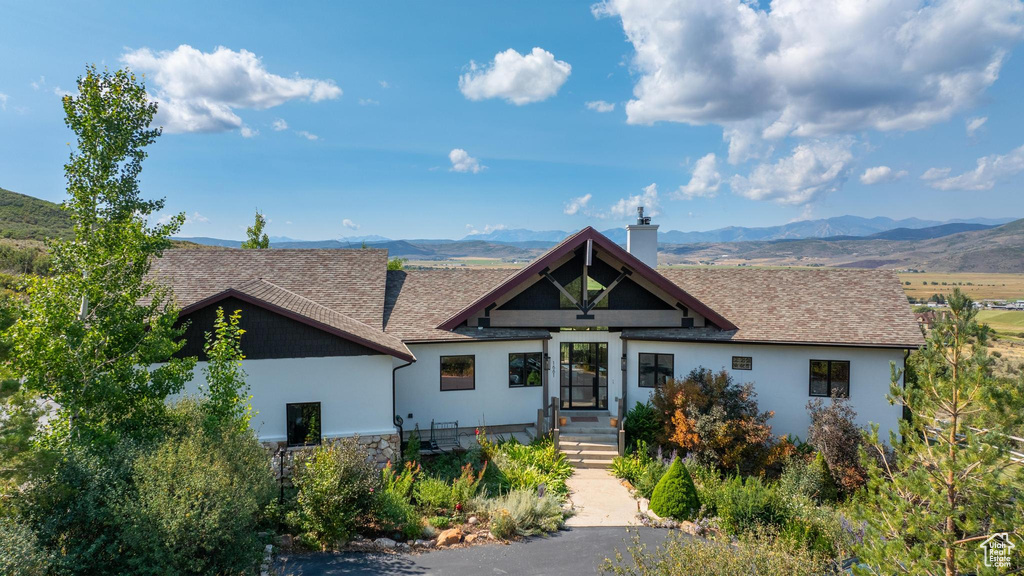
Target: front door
<point>584,375</point>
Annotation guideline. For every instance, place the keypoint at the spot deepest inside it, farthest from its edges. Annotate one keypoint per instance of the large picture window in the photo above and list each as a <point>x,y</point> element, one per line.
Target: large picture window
<point>458,373</point>
<point>524,369</point>
<point>655,369</point>
<point>830,378</point>
<point>303,423</point>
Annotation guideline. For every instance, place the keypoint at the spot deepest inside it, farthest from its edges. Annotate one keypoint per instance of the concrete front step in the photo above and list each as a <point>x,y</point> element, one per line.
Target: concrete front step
<point>590,446</point>
<point>588,463</point>
<point>593,438</point>
<point>578,455</point>
<point>591,429</point>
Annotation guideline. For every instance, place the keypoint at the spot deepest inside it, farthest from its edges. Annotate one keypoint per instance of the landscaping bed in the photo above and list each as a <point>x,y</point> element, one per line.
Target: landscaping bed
<point>495,491</point>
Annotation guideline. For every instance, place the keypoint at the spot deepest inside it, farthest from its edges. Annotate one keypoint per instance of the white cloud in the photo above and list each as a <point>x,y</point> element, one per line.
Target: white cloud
<point>368,102</point>
<point>37,84</point>
<point>195,218</point>
<point>813,67</point>
<point>516,78</point>
<point>577,204</point>
<point>279,125</point>
<point>974,124</point>
<point>307,135</point>
<point>248,132</point>
<point>487,229</point>
<point>384,84</point>
<point>463,162</point>
<point>935,173</point>
<point>626,207</point>
<point>3,101</point>
<point>600,106</point>
<point>989,171</point>
<point>812,170</point>
<point>879,174</point>
<point>348,223</point>
<point>60,92</point>
<point>199,91</point>
<point>704,180</point>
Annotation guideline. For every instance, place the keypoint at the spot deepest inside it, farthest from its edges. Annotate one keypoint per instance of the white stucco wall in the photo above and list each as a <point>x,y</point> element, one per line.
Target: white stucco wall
<point>781,377</point>
<point>493,402</point>
<point>354,393</point>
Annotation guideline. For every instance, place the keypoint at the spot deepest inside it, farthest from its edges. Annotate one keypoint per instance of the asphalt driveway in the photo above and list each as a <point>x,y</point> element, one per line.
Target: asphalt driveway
<point>573,552</point>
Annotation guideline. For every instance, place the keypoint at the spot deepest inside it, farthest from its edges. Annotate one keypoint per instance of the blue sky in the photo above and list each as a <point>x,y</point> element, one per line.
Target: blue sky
<point>414,120</point>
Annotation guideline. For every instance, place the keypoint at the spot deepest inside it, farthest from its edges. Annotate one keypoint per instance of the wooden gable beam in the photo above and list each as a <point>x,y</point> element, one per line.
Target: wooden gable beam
<point>604,293</point>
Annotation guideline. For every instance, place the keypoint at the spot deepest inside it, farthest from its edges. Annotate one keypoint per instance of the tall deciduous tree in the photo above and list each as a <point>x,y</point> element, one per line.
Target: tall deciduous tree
<point>227,395</point>
<point>90,332</point>
<point>257,240</point>
<point>949,483</point>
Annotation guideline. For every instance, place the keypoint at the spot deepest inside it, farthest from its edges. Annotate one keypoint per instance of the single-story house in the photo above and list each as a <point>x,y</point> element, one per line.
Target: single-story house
<point>338,345</point>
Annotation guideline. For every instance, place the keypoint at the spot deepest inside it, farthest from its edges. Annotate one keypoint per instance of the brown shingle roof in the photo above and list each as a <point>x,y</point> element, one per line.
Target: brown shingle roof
<point>826,306</point>
<point>419,300</point>
<point>272,297</point>
<point>350,282</point>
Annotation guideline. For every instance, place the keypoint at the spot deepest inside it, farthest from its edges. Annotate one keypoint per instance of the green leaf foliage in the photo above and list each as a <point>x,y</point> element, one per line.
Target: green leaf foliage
<point>227,394</point>
<point>675,496</point>
<point>90,332</point>
<point>257,239</point>
<point>642,424</point>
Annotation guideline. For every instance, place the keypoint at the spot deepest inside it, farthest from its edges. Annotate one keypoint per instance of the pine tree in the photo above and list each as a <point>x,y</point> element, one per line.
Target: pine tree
<point>675,496</point>
<point>948,484</point>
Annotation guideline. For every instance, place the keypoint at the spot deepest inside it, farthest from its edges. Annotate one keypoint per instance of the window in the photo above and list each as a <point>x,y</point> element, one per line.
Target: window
<point>576,289</point>
<point>303,424</point>
<point>830,378</point>
<point>458,373</point>
<point>524,369</point>
<point>742,363</point>
<point>655,369</point>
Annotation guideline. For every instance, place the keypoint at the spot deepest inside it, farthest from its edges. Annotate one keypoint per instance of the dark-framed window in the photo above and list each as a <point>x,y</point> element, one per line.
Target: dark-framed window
<point>742,363</point>
<point>303,423</point>
<point>830,378</point>
<point>458,373</point>
<point>594,288</point>
<point>655,369</point>
<point>524,369</point>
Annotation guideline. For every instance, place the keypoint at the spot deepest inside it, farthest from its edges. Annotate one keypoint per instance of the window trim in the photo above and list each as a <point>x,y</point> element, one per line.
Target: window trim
<point>749,358</point>
<point>319,424</point>
<point>828,391</point>
<point>639,379</point>
<point>524,374</point>
<point>440,372</point>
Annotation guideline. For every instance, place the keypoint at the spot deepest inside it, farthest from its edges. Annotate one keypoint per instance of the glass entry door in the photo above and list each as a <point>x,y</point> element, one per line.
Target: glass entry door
<point>584,375</point>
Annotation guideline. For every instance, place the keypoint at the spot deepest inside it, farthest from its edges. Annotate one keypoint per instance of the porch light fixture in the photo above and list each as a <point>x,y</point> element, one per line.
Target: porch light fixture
<point>623,362</point>
<point>547,361</point>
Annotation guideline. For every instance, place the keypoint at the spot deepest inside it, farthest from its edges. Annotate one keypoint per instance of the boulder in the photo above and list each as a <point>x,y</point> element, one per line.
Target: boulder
<point>423,544</point>
<point>385,543</point>
<point>449,537</point>
<point>470,538</point>
<point>473,520</point>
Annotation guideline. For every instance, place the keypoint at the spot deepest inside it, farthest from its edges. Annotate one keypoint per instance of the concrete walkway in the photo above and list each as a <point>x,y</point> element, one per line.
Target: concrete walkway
<point>599,499</point>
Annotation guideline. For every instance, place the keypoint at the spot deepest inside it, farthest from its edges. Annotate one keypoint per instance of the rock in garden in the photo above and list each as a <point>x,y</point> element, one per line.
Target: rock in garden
<point>385,543</point>
<point>689,527</point>
<point>423,544</point>
<point>284,540</point>
<point>472,521</point>
<point>449,537</point>
<point>470,538</point>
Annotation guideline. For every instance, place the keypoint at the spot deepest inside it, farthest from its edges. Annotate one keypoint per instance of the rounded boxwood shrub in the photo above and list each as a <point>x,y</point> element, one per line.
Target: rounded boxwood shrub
<point>675,496</point>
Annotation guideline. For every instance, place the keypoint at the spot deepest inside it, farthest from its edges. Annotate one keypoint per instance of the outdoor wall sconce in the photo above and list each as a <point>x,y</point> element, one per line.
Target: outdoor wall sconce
<point>547,362</point>
<point>623,362</point>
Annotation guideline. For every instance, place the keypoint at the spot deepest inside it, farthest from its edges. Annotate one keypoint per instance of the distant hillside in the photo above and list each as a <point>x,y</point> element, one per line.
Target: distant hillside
<point>928,233</point>
<point>27,218</point>
<point>991,249</point>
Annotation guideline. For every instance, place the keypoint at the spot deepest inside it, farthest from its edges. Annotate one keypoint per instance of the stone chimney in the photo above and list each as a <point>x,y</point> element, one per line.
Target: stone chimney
<point>642,239</point>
